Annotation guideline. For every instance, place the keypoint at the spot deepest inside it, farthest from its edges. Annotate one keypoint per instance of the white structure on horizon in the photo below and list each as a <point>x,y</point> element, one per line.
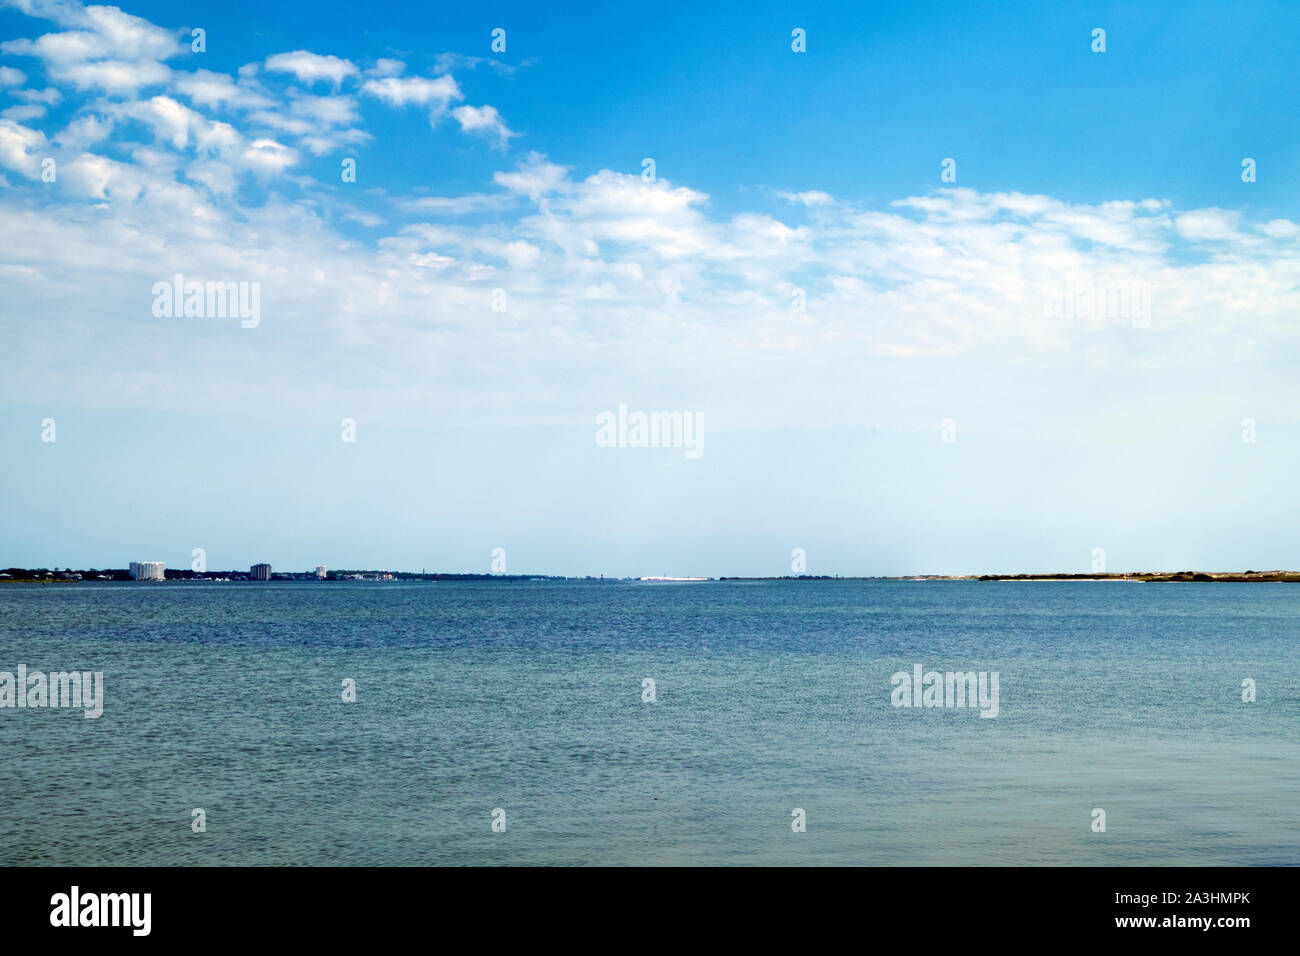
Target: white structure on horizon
<point>260,572</point>
<point>147,570</point>
<point>321,572</point>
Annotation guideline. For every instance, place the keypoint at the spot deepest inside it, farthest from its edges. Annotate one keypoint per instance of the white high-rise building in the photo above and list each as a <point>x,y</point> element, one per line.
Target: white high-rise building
<point>147,570</point>
<point>260,572</point>
<point>321,573</point>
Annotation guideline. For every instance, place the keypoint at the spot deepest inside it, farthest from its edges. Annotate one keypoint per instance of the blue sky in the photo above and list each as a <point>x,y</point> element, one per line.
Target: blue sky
<point>894,372</point>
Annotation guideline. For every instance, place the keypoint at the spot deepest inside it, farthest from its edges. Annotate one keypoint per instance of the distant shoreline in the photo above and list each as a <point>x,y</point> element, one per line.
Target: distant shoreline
<point>1141,577</point>
<point>1146,577</point>
<point>43,576</point>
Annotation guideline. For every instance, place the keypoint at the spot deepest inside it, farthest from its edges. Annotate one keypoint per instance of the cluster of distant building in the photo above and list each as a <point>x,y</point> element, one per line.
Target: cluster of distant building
<point>146,570</point>
<point>157,571</point>
<point>154,571</point>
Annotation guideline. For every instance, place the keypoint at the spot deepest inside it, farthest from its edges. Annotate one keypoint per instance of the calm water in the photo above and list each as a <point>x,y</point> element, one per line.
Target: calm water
<point>770,696</point>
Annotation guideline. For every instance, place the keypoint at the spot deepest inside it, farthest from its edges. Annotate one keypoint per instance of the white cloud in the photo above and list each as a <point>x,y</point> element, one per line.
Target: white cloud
<point>268,156</point>
<point>1209,224</point>
<point>111,34</point>
<point>113,51</point>
<point>214,175</point>
<point>601,266</point>
<point>206,88</point>
<point>169,119</point>
<point>326,110</point>
<point>312,67</point>
<point>431,260</point>
<point>810,198</point>
<point>21,148</point>
<point>121,35</point>
<point>334,141</point>
<point>534,177</point>
<point>49,96</point>
<point>100,177</point>
<point>221,151</point>
<point>112,76</point>
<point>1280,229</point>
<point>55,48</point>
<point>455,205</point>
<point>386,67</point>
<point>483,120</point>
<point>11,77</point>
<point>21,114</point>
<point>518,253</point>
<point>413,90</point>
<point>85,130</point>
<point>448,62</point>
<point>321,123</point>
<point>623,208</point>
<point>880,285</point>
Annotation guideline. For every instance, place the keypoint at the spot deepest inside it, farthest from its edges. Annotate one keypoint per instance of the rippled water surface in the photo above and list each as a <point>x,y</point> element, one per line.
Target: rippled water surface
<point>770,696</point>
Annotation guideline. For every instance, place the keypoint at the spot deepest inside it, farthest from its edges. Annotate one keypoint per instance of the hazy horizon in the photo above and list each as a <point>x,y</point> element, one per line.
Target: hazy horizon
<point>914,313</point>
<point>666,575</point>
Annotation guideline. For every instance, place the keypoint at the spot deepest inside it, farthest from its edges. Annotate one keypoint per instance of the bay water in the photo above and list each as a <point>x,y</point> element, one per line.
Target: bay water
<point>769,697</point>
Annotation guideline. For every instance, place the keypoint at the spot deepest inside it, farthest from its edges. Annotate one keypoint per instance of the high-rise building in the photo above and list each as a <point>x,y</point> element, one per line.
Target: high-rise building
<point>260,572</point>
<point>147,570</point>
<point>321,572</point>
